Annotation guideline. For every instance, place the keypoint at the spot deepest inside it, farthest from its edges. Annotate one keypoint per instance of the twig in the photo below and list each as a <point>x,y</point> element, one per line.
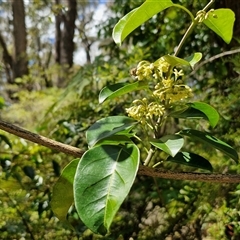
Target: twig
<point>33,137</point>
<point>203,177</point>
<point>214,58</point>
<point>143,170</point>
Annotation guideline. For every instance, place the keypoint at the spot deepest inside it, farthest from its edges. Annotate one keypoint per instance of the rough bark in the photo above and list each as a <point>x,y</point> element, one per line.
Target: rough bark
<point>20,62</point>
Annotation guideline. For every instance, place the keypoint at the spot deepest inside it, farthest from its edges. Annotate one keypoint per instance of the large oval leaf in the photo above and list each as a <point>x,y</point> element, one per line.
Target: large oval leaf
<point>116,90</point>
<point>192,160</point>
<point>221,21</point>
<point>171,144</point>
<point>137,17</point>
<point>103,179</point>
<point>198,110</point>
<point>211,140</point>
<point>62,195</point>
<point>107,127</point>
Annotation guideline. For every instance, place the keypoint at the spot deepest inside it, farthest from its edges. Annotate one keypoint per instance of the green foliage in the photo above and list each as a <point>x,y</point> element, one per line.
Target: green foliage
<point>138,16</point>
<point>198,110</point>
<point>107,170</point>
<point>191,159</point>
<point>60,194</point>
<point>101,184</point>
<point>170,144</point>
<point>211,140</point>
<point>166,209</point>
<point>221,21</point>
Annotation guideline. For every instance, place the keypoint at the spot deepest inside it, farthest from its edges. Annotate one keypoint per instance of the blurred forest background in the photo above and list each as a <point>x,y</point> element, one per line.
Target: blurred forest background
<point>55,58</point>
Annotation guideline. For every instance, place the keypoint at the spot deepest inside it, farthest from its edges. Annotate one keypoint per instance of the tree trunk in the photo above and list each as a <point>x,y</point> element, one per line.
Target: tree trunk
<point>20,62</point>
<point>64,33</point>
<point>7,60</point>
<point>67,45</point>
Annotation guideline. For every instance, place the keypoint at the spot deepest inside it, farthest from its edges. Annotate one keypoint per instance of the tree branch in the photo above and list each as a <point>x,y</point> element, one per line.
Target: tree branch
<point>143,170</point>
<point>33,137</point>
<point>211,59</point>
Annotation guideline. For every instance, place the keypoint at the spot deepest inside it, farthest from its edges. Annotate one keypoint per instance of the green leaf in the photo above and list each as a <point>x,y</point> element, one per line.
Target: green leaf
<point>116,90</point>
<point>137,17</point>
<point>62,195</point>
<point>193,59</point>
<point>6,140</point>
<point>103,179</point>
<point>221,21</point>
<point>115,140</point>
<point>192,160</point>
<point>107,127</point>
<point>212,141</point>
<point>198,110</point>
<point>175,61</point>
<point>171,144</point>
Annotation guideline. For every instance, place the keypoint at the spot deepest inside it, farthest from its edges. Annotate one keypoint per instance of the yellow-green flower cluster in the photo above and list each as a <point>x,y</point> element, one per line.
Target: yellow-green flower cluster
<point>142,110</point>
<point>168,89</point>
<point>146,70</point>
<point>174,93</point>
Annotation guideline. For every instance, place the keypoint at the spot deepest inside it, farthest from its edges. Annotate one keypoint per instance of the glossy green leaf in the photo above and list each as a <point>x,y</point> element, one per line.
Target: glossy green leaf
<point>212,141</point>
<point>192,160</point>
<point>103,179</point>
<point>116,90</point>
<point>62,195</point>
<point>221,21</point>
<point>115,140</point>
<point>107,127</point>
<point>175,61</point>
<point>137,17</point>
<point>193,59</point>
<point>198,110</point>
<point>171,144</point>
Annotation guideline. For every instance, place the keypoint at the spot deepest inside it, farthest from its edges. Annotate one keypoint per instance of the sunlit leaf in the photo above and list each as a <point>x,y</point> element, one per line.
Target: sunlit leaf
<point>103,179</point>
<point>175,61</point>
<point>137,17</point>
<point>198,110</point>
<point>106,127</point>
<point>116,90</point>
<point>192,160</point>
<point>221,21</point>
<point>62,195</point>
<point>171,144</point>
<point>212,141</point>
<point>193,59</point>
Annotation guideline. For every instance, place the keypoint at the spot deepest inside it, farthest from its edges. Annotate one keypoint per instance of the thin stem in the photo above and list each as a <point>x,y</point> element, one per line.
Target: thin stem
<point>185,9</point>
<point>208,5</point>
<point>190,29</point>
<point>149,156</point>
<point>186,35</point>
